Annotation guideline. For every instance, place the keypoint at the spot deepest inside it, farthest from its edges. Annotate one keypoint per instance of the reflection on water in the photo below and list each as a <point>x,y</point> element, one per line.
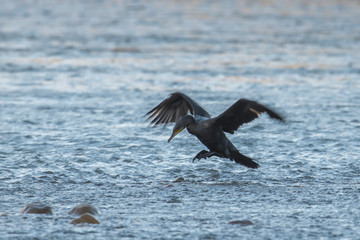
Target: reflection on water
<point>76,79</point>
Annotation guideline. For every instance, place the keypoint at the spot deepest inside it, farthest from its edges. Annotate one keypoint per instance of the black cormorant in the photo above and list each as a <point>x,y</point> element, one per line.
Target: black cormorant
<point>210,131</point>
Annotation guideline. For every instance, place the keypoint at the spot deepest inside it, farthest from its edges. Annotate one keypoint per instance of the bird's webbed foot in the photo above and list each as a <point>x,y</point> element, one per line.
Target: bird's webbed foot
<point>210,154</point>
<point>200,155</point>
<point>206,154</point>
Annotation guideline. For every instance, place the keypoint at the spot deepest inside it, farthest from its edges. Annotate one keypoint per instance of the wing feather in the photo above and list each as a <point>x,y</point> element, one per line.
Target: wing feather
<point>173,108</point>
<point>243,111</point>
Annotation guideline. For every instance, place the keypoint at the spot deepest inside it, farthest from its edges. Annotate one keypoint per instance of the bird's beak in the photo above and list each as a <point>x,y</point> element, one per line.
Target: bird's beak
<point>175,132</point>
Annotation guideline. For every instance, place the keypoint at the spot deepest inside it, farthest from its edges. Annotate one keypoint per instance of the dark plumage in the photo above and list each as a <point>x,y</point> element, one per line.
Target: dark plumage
<point>210,131</point>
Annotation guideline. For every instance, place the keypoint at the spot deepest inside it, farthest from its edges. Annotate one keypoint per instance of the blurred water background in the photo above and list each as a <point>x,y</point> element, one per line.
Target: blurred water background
<point>77,77</point>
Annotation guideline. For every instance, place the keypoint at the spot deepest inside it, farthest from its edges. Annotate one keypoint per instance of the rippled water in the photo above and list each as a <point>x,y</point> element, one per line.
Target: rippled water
<point>76,79</point>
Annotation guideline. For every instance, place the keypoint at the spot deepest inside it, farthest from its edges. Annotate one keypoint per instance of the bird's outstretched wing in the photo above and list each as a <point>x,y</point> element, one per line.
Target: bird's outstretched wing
<point>174,107</point>
<point>243,111</point>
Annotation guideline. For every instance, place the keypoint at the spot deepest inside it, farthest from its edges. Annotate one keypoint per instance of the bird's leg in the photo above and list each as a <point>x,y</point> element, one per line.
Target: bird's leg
<point>200,155</point>
<point>210,154</point>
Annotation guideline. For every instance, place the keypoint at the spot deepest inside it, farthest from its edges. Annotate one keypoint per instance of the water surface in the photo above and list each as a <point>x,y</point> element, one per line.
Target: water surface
<point>76,79</point>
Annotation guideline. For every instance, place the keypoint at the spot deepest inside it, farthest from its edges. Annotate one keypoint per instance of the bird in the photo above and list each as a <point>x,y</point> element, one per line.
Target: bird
<point>180,109</point>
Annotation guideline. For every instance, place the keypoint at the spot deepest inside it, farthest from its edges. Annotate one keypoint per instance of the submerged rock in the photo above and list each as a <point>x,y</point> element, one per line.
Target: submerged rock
<point>85,218</point>
<point>82,209</point>
<point>179,179</point>
<point>242,222</point>
<point>35,208</point>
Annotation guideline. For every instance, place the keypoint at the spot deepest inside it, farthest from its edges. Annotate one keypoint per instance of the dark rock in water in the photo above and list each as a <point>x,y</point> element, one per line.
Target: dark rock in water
<point>82,209</point>
<point>169,185</point>
<point>36,208</point>
<point>242,222</point>
<point>85,218</point>
<point>180,179</point>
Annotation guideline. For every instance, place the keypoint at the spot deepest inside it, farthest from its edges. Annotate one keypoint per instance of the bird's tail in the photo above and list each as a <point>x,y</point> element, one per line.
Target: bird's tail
<point>242,159</point>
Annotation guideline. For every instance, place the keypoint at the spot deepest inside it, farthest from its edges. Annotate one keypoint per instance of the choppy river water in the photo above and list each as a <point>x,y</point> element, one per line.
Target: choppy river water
<point>77,77</point>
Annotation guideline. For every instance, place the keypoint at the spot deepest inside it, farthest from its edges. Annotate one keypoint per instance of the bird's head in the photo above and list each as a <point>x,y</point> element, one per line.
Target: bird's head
<point>181,125</point>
